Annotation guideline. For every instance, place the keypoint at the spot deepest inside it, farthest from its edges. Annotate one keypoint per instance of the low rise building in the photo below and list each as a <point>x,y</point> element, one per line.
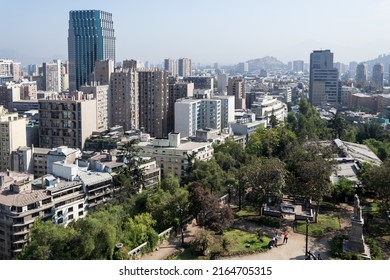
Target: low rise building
<point>174,155</point>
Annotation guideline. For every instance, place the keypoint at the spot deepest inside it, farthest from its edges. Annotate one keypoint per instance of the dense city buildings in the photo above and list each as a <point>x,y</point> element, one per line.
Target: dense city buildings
<point>324,79</point>
<point>91,38</point>
<point>103,70</point>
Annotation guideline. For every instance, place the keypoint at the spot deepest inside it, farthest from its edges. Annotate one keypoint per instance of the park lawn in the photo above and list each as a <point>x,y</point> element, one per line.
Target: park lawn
<point>238,240</point>
<point>247,211</point>
<point>326,223</point>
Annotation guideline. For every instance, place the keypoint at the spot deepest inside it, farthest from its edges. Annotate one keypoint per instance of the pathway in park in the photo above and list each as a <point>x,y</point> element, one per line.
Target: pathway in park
<point>294,249</point>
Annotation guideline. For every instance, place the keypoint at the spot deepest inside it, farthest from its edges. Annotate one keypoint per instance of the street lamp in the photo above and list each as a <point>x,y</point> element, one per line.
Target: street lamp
<point>307,236</point>
<point>181,224</point>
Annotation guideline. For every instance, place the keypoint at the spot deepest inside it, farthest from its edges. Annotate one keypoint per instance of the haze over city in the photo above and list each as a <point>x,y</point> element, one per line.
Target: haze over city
<point>223,31</point>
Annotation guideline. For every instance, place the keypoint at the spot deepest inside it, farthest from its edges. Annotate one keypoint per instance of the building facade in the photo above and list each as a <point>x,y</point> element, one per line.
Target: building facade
<point>67,121</point>
<point>236,87</point>
<point>12,136</point>
<point>324,79</point>
<point>184,67</point>
<point>377,80</point>
<point>90,38</point>
<point>153,102</point>
<point>124,99</point>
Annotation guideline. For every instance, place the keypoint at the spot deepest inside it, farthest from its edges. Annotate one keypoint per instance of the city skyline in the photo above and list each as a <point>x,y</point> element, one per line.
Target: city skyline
<point>226,32</point>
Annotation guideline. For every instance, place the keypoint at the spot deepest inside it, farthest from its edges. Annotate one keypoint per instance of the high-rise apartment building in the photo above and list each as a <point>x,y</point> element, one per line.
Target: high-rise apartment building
<point>227,109</point>
<point>52,76</point>
<point>67,121</point>
<point>101,94</point>
<point>154,102</point>
<point>377,77</point>
<point>236,87</point>
<point>361,73</point>
<point>124,99</point>
<point>177,90</point>
<point>91,38</point>
<point>222,83</point>
<point>12,135</point>
<point>103,70</point>
<point>324,79</point>
<point>184,67</point>
<point>170,65</point>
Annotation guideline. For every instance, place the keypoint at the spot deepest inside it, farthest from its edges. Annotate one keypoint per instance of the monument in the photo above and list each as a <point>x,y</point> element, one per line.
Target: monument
<point>355,242</point>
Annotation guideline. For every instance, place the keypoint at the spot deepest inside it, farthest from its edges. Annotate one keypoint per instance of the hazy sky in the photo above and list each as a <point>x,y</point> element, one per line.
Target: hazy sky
<point>207,31</point>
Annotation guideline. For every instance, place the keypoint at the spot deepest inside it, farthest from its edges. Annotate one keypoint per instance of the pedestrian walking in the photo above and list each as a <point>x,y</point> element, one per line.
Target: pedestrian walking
<point>285,239</point>
<point>276,237</point>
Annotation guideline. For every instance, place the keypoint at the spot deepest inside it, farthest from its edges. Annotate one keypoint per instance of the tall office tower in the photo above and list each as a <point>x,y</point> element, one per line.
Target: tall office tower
<point>103,70</point>
<point>222,83</point>
<point>52,76</point>
<point>176,91</point>
<point>101,94</point>
<point>324,79</point>
<point>377,76</point>
<point>32,70</point>
<point>170,65</point>
<point>184,67</point>
<point>91,38</point>
<point>67,121</point>
<point>153,102</point>
<point>361,73</point>
<point>352,68</point>
<point>290,66</point>
<point>242,67</point>
<point>124,99</point>
<point>12,135</point>
<point>236,87</point>
<point>298,65</point>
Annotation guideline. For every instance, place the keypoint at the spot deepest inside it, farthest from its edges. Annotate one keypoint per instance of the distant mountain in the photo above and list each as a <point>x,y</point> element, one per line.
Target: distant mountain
<point>383,59</point>
<point>267,63</point>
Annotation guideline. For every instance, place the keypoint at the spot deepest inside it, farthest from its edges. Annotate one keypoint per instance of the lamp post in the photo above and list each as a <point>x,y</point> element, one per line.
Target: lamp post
<point>307,236</point>
<point>181,224</point>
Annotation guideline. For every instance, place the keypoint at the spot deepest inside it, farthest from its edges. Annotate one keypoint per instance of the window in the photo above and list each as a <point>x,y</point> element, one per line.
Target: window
<point>70,209</point>
<point>36,214</point>
<point>80,206</point>
<point>81,213</point>
<point>59,213</point>
<point>70,217</point>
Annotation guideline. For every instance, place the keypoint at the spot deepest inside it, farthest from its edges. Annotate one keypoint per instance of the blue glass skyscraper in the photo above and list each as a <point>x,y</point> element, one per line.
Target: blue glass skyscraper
<point>90,38</point>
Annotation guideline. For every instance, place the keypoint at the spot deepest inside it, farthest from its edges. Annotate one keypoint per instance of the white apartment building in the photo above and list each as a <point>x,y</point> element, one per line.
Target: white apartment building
<point>265,106</point>
<point>172,154</point>
<point>194,114</point>
<point>227,109</point>
<point>101,94</point>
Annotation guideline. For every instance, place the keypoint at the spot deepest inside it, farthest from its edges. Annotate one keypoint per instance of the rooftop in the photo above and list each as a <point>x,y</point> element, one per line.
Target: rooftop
<point>10,198</point>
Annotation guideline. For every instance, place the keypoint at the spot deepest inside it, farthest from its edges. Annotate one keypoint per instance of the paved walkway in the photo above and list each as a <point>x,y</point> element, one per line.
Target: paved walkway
<point>294,249</point>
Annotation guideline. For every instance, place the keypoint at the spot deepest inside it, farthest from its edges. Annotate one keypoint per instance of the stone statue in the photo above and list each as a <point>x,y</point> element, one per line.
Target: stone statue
<point>357,209</point>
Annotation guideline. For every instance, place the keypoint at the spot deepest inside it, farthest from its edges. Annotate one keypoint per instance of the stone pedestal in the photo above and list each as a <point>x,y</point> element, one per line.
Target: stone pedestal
<point>355,242</point>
